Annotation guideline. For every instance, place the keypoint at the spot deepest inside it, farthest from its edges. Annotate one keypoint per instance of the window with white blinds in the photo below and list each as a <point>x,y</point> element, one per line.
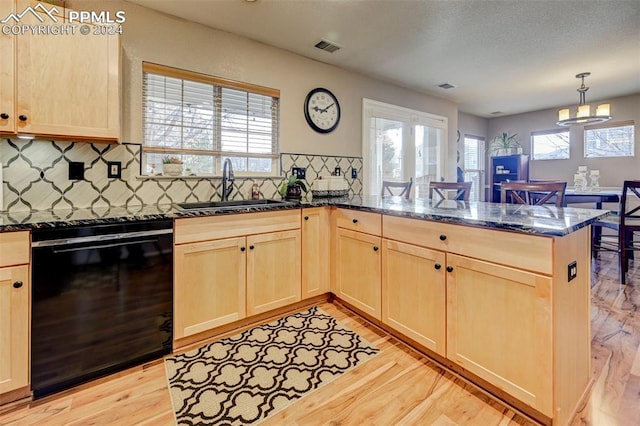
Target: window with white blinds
<point>203,120</point>
<point>473,158</point>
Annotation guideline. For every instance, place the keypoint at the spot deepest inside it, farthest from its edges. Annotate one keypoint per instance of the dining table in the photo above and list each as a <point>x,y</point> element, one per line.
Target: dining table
<point>597,195</point>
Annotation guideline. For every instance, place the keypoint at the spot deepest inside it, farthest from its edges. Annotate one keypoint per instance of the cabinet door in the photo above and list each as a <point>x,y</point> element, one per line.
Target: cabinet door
<point>413,293</point>
<point>315,252</point>
<point>273,270</point>
<point>7,81</point>
<point>358,270</point>
<point>499,328</point>
<point>67,84</point>
<point>14,328</point>
<point>209,285</point>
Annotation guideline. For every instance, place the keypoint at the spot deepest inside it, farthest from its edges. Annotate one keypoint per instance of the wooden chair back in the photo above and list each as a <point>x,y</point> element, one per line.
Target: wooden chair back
<point>404,188</point>
<point>629,207</point>
<point>463,188</point>
<point>626,224</point>
<point>533,193</point>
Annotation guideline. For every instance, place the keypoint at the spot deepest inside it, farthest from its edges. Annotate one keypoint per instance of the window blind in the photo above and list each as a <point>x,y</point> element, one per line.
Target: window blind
<point>194,116</point>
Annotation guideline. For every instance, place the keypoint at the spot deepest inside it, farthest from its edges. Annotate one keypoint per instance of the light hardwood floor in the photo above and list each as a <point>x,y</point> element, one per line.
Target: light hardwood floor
<point>398,386</point>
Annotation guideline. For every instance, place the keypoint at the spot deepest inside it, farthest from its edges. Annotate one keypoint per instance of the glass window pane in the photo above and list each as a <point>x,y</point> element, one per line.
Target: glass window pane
<point>389,138</point>
<point>551,145</point>
<point>473,165</point>
<point>185,115</point>
<point>609,142</point>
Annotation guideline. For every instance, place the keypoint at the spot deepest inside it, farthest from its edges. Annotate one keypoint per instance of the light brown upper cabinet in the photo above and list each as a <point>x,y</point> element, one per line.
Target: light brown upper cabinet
<point>65,85</point>
<point>7,67</point>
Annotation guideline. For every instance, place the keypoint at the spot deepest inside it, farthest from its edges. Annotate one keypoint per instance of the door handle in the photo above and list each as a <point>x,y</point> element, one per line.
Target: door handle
<point>17,284</point>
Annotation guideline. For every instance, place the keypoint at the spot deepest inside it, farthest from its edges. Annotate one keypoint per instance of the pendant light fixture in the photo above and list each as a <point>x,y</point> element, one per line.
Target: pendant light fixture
<point>583,113</point>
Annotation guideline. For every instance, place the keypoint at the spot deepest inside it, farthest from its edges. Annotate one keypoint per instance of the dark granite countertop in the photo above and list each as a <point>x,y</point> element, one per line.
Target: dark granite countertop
<point>537,220</point>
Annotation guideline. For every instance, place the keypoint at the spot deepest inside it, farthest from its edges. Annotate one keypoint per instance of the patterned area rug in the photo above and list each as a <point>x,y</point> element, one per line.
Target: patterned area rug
<point>245,378</point>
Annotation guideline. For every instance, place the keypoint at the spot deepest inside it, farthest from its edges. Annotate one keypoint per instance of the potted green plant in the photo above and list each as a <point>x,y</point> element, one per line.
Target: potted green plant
<point>171,166</point>
<point>292,188</point>
<point>505,144</point>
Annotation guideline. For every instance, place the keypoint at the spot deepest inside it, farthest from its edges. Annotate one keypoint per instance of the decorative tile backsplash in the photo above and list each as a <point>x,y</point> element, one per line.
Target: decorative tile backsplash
<point>35,177</point>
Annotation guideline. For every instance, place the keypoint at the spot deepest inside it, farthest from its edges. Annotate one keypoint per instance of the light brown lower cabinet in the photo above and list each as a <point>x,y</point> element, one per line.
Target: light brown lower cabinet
<point>414,292</point>
<point>513,317</point>
<point>358,263</point>
<point>15,299</point>
<point>273,271</point>
<point>499,328</point>
<point>315,251</point>
<point>14,328</point>
<point>209,285</point>
<point>252,268</point>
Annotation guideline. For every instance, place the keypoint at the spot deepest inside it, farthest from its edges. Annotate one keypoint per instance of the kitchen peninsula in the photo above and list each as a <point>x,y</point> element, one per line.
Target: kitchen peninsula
<point>497,293</point>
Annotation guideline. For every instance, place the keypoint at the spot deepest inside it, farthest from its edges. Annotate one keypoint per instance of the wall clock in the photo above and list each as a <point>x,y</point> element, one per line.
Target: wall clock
<point>322,110</point>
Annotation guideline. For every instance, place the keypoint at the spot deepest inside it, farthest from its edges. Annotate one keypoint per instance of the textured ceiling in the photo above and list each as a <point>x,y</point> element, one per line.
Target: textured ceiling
<point>511,56</point>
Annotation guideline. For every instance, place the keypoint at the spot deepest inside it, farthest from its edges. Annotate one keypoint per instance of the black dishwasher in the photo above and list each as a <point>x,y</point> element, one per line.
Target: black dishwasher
<point>102,300</point>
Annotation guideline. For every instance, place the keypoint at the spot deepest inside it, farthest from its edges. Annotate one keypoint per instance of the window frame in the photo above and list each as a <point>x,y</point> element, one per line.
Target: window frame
<point>216,153</point>
<point>482,160</point>
<point>610,125</point>
<point>550,132</point>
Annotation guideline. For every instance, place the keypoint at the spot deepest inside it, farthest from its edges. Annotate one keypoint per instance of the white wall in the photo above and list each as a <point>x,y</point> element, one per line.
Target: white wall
<point>155,37</point>
<point>612,170</point>
<point>471,125</point>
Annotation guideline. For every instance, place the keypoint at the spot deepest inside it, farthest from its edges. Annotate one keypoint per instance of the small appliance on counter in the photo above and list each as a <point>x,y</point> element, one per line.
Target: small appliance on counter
<point>330,186</point>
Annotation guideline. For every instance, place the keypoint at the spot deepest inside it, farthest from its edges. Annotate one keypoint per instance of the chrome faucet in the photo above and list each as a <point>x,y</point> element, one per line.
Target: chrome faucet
<point>227,179</point>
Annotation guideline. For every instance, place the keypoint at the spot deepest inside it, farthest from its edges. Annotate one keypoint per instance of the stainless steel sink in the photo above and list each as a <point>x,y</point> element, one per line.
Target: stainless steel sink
<point>234,204</point>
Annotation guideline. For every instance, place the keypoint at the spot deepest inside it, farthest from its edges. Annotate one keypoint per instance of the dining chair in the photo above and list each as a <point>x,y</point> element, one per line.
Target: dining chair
<point>625,224</point>
<point>463,188</point>
<point>533,193</point>
<point>404,188</point>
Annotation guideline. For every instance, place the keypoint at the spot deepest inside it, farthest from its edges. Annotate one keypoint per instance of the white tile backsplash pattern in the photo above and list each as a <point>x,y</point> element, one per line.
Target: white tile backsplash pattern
<point>35,177</point>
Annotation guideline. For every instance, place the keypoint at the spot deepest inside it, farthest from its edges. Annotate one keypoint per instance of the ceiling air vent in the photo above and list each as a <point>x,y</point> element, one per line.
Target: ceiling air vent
<point>446,86</point>
<point>327,46</point>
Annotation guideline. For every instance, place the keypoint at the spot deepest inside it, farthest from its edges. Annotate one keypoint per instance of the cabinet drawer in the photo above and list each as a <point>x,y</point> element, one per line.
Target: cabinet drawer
<point>14,248</point>
<point>355,220</point>
<point>530,252</point>
<point>205,228</point>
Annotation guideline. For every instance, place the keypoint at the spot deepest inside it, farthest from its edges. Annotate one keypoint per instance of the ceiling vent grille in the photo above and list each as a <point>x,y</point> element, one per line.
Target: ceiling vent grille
<point>327,46</point>
<point>446,86</point>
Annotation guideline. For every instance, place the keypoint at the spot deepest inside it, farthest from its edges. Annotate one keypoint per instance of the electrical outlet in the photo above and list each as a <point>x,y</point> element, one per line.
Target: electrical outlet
<point>114,169</point>
<point>76,170</point>
<point>572,270</point>
<point>354,173</point>
<point>299,172</point>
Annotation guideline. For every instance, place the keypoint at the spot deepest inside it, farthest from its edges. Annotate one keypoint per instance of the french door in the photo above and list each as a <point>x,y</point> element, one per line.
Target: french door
<point>399,144</point>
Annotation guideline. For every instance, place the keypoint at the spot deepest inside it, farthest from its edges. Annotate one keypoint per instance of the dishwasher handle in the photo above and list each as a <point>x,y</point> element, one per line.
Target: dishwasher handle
<point>101,238</point>
<point>103,246</point>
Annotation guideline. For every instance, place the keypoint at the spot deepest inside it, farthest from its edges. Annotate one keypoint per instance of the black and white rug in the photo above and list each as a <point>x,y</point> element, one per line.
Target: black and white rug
<point>245,378</point>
